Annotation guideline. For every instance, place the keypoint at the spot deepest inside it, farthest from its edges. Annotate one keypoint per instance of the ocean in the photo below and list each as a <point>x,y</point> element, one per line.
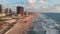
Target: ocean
<point>53,16</point>
<point>45,23</point>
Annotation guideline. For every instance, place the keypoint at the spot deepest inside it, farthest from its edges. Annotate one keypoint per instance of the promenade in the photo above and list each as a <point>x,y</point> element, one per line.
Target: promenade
<point>21,26</point>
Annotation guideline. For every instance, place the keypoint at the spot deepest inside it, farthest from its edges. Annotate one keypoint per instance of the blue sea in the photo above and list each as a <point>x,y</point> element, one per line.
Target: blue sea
<point>45,23</point>
<point>53,16</point>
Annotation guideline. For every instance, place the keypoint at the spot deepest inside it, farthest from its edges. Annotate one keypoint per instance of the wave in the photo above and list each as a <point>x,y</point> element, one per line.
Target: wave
<point>42,23</point>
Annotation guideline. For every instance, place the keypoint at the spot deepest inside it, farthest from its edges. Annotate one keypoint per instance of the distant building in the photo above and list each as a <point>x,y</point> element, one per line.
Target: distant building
<point>1,8</point>
<point>8,11</point>
<point>26,13</point>
<point>20,10</point>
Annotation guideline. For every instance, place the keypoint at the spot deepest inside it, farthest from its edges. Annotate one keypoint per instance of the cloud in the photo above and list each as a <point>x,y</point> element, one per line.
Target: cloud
<point>43,2</point>
<point>52,9</point>
<point>31,1</point>
<point>35,5</point>
<point>42,6</point>
<point>32,5</point>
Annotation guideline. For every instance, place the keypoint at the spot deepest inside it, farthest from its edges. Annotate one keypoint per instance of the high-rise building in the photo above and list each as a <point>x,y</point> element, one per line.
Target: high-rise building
<point>20,10</point>
<point>8,11</point>
<point>1,8</point>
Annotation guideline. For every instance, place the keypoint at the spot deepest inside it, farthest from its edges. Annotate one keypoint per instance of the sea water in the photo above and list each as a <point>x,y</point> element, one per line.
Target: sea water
<point>45,23</point>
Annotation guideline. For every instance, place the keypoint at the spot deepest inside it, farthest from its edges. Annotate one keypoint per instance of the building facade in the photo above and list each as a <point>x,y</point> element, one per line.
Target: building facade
<point>1,8</point>
<point>8,11</point>
<point>20,10</point>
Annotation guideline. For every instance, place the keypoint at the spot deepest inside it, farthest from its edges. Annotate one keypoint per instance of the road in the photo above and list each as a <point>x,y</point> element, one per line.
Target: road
<point>21,26</point>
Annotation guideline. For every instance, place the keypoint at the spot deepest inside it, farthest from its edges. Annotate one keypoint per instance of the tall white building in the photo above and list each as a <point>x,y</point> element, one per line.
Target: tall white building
<point>1,8</point>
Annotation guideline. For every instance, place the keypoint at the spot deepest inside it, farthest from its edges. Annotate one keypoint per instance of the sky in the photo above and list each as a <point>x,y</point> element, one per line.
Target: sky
<point>34,5</point>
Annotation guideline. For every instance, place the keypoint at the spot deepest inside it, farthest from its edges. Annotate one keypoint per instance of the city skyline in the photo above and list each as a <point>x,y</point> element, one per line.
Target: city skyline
<point>34,5</point>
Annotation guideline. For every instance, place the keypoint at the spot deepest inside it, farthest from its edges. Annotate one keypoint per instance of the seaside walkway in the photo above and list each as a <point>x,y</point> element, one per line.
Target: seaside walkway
<point>21,26</point>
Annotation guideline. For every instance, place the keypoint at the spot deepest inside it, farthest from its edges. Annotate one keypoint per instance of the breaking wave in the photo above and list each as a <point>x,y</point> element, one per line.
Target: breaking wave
<point>41,23</point>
